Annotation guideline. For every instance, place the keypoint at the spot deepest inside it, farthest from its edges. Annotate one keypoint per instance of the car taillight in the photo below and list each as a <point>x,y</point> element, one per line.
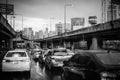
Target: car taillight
<point>5,60</point>
<point>108,76</point>
<point>27,60</point>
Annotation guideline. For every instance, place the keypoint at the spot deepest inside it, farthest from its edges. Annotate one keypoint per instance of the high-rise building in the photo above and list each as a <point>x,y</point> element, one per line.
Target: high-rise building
<point>110,12</point>
<point>52,33</point>
<point>28,32</point>
<point>38,35</point>
<point>46,34</point>
<point>59,28</point>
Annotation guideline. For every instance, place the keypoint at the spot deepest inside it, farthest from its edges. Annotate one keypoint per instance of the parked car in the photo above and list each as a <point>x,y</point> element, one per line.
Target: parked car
<point>93,65</point>
<point>55,57</point>
<point>17,60</point>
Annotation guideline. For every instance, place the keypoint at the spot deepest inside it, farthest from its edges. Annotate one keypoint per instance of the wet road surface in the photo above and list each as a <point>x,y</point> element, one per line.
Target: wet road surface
<point>38,72</point>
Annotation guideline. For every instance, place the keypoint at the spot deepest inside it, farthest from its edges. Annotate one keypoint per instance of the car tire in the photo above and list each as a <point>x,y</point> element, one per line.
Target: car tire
<point>28,74</point>
<point>62,76</point>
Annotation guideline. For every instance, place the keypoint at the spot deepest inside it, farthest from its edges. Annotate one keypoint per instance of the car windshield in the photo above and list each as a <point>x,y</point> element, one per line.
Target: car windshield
<point>109,58</point>
<point>16,54</point>
<point>60,53</point>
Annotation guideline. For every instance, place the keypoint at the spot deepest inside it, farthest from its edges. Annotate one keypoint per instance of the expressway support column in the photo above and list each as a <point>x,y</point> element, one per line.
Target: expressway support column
<point>11,43</point>
<point>72,45</point>
<point>94,45</point>
<point>52,44</point>
<point>64,44</point>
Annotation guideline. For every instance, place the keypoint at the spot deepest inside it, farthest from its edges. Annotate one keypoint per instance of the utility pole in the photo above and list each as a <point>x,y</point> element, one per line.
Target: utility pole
<point>6,9</point>
<point>65,7</point>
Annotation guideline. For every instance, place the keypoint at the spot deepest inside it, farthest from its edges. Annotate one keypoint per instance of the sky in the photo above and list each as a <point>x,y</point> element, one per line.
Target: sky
<point>39,14</point>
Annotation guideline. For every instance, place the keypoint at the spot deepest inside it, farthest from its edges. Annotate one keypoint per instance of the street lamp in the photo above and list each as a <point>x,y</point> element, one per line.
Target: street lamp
<point>65,6</point>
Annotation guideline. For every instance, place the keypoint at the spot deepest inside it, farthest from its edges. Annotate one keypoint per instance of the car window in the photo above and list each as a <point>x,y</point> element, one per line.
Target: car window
<point>109,58</point>
<point>60,50</point>
<point>16,54</point>
<point>80,59</point>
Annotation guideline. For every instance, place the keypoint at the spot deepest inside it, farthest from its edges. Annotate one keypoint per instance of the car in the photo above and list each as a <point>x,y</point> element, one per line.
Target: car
<point>93,65</point>
<point>17,60</point>
<point>36,54</point>
<point>55,57</point>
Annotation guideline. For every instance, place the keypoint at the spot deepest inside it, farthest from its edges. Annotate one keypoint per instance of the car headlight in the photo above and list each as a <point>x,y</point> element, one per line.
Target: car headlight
<point>107,75</point>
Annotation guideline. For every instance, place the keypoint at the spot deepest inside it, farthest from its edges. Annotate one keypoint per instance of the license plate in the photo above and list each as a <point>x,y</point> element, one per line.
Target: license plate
<point>60,64</point>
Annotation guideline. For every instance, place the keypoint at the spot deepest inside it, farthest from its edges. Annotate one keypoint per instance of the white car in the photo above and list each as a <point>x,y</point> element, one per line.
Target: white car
<point>16,60</point>
<point>56,57</point>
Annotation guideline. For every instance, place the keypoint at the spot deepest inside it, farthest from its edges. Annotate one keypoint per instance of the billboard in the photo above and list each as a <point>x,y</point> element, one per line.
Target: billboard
<point>92,20</point>
<point>77,22</point>
<point>9,7</point>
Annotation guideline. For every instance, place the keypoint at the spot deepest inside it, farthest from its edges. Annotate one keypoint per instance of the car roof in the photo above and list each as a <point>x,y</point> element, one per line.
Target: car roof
<point>18,50</point>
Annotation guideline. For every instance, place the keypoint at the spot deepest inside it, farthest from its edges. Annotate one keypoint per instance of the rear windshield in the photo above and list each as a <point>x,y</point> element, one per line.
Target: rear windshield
<point>16,54</point>
<point>60,53</point>
<point>60,50</point>
<point>109,58</point>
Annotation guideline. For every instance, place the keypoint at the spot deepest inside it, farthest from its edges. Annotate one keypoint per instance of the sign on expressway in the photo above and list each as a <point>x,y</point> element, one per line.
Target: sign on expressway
<point>77,21</point>
<point>6,9</point>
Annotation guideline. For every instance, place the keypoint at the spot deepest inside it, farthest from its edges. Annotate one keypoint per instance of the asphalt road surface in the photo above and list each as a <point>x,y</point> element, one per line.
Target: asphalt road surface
<point>38,72</point>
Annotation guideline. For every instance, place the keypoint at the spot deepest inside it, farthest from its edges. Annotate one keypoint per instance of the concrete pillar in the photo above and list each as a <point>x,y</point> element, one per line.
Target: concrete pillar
<point>46,44</point>
<point>11,43</point>
<point>64,44</point>
<point>72,46</point>
<point>52,45</point>
<point>94,45</point>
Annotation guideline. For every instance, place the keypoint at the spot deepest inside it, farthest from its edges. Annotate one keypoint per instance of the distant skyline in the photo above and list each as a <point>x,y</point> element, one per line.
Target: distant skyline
<point>38,13</point>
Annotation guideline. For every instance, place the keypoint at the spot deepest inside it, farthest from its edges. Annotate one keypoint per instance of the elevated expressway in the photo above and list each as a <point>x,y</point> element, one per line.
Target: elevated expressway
<point>93,35</point>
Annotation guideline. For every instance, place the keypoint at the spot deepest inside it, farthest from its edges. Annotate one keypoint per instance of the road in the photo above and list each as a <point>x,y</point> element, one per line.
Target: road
<point>38,72</point>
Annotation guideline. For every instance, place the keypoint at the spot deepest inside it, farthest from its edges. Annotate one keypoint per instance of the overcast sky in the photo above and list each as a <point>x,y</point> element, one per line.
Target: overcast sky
<point>38,13</point>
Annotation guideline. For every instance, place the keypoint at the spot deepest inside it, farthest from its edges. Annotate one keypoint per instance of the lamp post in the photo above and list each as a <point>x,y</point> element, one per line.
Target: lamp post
<point>6,9</point>
<point>65,7</point>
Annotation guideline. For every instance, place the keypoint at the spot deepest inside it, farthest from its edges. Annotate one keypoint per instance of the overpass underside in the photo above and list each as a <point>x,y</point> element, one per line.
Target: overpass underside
<point>6,35</point>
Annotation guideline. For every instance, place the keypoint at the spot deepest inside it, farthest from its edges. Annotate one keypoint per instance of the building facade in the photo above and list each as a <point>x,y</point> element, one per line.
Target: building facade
<point>46,34</point>
<point>59,28</point>
<point>38,35</point>
<point>110,12</point>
